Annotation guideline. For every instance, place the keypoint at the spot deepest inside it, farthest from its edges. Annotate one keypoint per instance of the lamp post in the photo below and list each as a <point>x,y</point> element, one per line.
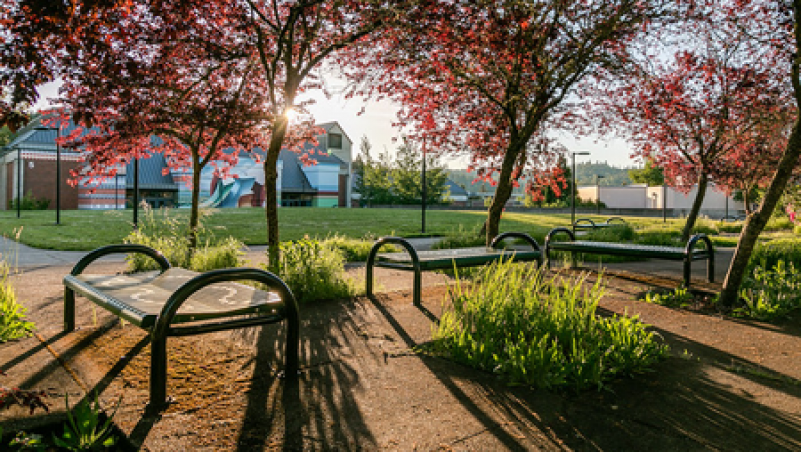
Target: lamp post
<point>664,203</point>
<point>19,179</point>
<point>573,186</point>
<point>58,171</point>
<point>598,178</point>
<point>423,191</point>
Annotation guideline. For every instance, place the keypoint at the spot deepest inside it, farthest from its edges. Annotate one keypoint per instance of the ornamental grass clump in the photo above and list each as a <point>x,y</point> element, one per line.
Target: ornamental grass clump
<point>542,332</point>
<point>169,236</point>
<point>314,270</point>
<point>769,293</point>
<point>13,322</point>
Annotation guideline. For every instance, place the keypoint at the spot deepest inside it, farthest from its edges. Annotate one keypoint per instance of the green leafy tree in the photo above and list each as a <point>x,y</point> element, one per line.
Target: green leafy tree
<point>406,176</point>
<point>650,174</point>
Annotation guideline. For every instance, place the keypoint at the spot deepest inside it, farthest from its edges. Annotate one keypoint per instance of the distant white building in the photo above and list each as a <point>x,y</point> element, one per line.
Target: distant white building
<point>658,197</point>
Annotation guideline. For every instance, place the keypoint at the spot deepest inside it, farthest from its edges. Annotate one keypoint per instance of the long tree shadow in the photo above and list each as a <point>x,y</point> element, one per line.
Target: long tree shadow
<point>317,409</point>
<point>684,405</point>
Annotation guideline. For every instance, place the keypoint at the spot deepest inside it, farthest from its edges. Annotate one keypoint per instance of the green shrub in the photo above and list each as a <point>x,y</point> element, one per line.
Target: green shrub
<point>797,229</point>
<point>768,254</point>
<point>781,223</point>
<point>677,298</point>
<point>30,202</point>
<point>616,233</point>
<point>13,323</point>
<point>543,333</point>
<point>354,250</point>
<point>461,238</point>
<point>771,294</point>
<point>734,227</point>
<point>705,226</point>
<point>170,236</point>
<point>314,271</point>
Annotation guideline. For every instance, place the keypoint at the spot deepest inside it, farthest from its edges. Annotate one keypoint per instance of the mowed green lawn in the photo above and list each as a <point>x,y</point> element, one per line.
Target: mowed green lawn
<point>85,230</point>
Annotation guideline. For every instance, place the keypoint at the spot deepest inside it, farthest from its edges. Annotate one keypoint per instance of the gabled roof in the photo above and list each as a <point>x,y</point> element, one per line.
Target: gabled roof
<point>293,179</point>
<point>455,189</point>
<point>151,175</point>
<point>43,139</point>
<point>327,126</point>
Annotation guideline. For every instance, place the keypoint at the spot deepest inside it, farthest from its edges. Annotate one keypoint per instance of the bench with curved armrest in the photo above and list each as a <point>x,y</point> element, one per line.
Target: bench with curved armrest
<point>586,223</point>
<point>177,302</point>
<point>686,254</point>
<point>419,261</point>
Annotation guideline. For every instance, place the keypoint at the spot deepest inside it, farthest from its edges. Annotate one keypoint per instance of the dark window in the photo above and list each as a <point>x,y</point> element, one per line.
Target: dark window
<point>335,141</point>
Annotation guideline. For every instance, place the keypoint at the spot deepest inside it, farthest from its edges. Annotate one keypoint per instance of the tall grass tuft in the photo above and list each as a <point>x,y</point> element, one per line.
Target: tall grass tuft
<point>543,333</point>
<point>461,238</point>
<point>768,254</point>
<point>769,293</point>
<point>353,250</point>
<point>167,234</point>
<point>13,323</point>
<point>314,271</point>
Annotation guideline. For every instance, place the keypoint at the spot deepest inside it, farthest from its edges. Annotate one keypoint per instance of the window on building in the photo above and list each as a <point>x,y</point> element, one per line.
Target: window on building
<point>335,141</point>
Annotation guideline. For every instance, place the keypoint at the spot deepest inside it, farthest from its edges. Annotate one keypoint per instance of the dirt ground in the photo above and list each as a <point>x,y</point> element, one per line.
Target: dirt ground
<point>728,384</point>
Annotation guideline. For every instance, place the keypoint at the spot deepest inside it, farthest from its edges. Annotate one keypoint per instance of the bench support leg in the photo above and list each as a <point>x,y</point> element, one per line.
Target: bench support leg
<point>417,289</point>
<point>69,309</point>
<point>710,267</point>
<point>158,373</point>
<point>369,279</point>
<point>687,262</point>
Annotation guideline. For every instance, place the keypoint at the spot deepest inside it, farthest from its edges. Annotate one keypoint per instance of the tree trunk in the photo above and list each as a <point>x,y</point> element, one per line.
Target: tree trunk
<point>703,182</point>
<point>756,222</point>
<point>503,191</point>
<point>194,214</point>
<point>270,196</point>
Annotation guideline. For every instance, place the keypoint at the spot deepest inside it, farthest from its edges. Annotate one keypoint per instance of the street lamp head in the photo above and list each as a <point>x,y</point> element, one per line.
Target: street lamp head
<point>581,153</point>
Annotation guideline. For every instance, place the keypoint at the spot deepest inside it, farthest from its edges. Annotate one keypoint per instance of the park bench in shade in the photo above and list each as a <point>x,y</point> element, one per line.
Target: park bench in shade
<point>178,302</point>
<point>419,261</point>
<point>686,254</point>
<point>587,224</point>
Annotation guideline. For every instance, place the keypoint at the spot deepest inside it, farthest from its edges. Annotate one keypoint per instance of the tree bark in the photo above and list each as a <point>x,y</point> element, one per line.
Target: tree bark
<point>194,214</point>
<point>503,191</point>
<point>703,183</point>
<point>270,195</point>
<point>755,223</point>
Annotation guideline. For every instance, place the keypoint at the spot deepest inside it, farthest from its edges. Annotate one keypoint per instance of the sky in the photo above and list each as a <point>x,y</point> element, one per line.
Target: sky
<point>376,124</point>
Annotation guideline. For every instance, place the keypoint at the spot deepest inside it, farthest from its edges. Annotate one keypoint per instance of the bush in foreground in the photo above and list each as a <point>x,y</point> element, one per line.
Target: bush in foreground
<point>314,270</point>
<point>13,323</point>
<point>543,333</point>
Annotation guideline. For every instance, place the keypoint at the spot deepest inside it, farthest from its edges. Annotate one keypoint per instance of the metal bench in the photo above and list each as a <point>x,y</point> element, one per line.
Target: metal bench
<point>419,261</point>
<point>202,303</point>
<point>586,223</point>
<point>687,254</point>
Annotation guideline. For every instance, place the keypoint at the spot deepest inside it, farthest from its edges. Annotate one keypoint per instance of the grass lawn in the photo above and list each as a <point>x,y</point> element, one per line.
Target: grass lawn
<point>84,230</point>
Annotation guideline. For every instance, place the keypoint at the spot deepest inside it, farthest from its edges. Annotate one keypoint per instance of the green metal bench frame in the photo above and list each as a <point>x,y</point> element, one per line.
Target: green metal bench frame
<point>580,223</point>
<point>419,261</point>
<point>161,326</point>
<point>686,254</point>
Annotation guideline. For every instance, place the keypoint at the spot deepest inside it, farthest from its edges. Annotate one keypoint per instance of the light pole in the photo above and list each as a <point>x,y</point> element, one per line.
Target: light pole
<point>58,171</point>
<point>573,186</point>
<point>664,203</point>
<point>423,191</point>
<point>598,178</point>
<point>19,179</point>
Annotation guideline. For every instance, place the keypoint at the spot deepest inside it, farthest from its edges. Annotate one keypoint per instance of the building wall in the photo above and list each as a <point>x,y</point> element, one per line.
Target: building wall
<point>345,154</point>
<point>40,180</point>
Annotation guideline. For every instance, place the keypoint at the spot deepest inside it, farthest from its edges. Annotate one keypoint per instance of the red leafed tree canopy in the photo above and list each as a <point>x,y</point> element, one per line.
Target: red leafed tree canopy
<point>491,78</point>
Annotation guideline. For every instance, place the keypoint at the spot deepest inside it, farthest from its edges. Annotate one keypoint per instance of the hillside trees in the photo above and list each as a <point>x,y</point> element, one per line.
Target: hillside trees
<point>491,77</point>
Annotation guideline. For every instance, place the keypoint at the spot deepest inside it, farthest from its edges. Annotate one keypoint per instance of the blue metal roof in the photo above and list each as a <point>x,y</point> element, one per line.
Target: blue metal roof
<point>150,174</point>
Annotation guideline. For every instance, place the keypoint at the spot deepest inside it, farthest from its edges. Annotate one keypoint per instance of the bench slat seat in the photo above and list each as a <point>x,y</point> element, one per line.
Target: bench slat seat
<point>196,302</point>
<point>460,257</point>
<point>140,298</point>
<point>625,249</point>
<point>419,261</point>
<point>687,254</point>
